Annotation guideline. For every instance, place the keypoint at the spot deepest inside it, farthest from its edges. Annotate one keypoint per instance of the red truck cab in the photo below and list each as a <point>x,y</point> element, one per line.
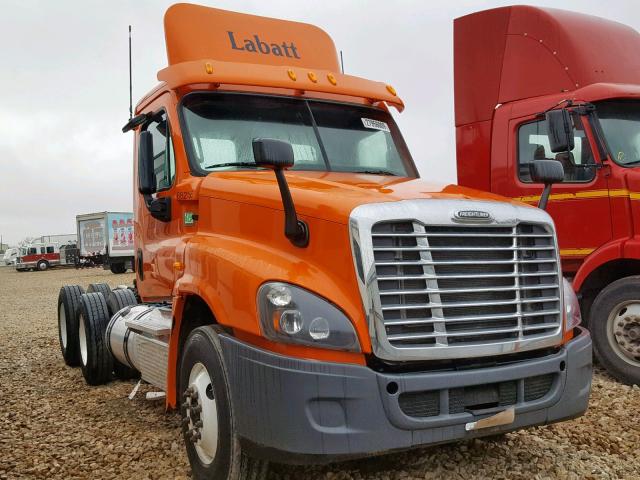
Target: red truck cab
<point>512,66</point>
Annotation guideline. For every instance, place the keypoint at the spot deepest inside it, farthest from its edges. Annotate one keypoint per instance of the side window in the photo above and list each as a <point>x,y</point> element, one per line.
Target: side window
<point>163,158</point>
<point>533,144</point>
<point>49,249</point>
<point>42,250</point>
<point>32,251</point>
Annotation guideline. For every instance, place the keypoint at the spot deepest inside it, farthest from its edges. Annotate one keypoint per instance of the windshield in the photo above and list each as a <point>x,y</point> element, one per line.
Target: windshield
<point>620,121</point>
<point>324,136</point>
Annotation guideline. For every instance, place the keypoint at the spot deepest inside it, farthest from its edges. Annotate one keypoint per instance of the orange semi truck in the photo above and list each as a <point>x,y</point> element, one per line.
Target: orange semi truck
<point>535,83</point>
<point>301,295</point>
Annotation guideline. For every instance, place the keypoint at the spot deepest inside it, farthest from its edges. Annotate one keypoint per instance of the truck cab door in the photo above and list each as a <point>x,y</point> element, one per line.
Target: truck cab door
<point>580,204</point>
<point>156,233</point>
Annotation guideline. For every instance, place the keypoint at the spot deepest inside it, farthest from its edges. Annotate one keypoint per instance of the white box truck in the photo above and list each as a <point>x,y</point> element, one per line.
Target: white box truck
<point>106,238</point>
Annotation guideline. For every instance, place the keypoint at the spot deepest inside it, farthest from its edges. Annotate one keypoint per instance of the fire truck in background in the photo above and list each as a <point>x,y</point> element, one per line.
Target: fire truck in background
<point>301,295</point>
<point>535,83</point>
<point>43,254</point>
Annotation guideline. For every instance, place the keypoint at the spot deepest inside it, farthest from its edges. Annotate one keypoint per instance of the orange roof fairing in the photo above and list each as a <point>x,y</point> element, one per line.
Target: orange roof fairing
<point>209,45</point>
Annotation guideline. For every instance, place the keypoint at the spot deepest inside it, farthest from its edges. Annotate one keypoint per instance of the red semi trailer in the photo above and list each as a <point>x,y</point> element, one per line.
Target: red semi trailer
<point>534,83</point>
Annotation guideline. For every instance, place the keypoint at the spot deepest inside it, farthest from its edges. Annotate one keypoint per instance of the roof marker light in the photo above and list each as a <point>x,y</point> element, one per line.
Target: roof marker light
<point>208,68</point>
<point>332,79</point>
<point>392,90</point>
<point>292,75</point>
<point>312,77</point>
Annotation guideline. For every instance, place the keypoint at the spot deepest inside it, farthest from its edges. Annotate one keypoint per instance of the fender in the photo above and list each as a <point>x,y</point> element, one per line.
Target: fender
<point>613,250</point>
<point>226,273</point>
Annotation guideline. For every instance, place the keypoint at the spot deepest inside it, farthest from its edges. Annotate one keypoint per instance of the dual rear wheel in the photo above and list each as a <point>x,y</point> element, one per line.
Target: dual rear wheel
<point>82,323</point>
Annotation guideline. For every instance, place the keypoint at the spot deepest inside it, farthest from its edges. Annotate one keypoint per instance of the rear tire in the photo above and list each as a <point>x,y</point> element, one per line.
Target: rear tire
<point>614,321</point>
<point>213,447</point>
<point>68,301</point>
<point>95,358</point>
<point>117,300</point>
<point>103,288</point>
<point>117,268</point>
<point>42,265</point>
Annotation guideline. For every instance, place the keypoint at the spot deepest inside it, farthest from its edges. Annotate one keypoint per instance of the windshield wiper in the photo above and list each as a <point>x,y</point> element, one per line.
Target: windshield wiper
<point>377,172</point>
<point>233,164</point>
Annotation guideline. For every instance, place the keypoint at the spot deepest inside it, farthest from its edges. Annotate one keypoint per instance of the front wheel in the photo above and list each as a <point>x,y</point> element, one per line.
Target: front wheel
<point>207,415</point>
<point>614,321</point>
<point>43,265</point>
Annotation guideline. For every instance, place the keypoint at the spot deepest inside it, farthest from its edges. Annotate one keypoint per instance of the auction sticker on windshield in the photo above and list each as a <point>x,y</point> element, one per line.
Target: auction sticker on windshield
<point>375,124</point>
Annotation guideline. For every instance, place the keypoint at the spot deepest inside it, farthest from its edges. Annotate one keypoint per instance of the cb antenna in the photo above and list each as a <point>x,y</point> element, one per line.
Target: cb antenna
<point>130,80</point>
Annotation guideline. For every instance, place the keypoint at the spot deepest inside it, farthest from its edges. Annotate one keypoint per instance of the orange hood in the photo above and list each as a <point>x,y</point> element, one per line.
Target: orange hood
<point>328,195</point>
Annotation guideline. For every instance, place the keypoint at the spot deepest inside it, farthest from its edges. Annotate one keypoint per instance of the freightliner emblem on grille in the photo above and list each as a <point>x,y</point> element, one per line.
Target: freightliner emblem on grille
<point>472,216</point>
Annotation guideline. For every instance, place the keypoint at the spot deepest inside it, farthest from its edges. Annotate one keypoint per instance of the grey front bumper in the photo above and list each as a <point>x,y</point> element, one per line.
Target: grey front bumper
<point>299,411</point>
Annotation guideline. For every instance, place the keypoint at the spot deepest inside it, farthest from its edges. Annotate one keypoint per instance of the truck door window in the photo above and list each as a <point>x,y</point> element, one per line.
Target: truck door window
<point>49,249</point>
<point>163,158</point>
<point>533,144</point>
<point>323,135</point>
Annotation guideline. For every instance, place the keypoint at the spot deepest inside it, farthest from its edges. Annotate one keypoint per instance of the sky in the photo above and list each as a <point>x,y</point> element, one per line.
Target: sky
<point>64,88</point>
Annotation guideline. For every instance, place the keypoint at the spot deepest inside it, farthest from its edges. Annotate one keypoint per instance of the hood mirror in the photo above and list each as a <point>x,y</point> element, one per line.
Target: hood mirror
<point>547,172</point>
<point>278,156</point>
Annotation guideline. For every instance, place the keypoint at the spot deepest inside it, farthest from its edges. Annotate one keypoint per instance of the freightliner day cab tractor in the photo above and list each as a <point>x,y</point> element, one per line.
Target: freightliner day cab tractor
<point>534,83</point>
<point>301,295</point>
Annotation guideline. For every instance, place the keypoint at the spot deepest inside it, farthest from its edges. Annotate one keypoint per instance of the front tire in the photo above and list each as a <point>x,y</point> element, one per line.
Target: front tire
<point>68,304</point>
<point>95,358</point>
<point>209,432</point>
<point>42,265</point>
<point>614,321</point>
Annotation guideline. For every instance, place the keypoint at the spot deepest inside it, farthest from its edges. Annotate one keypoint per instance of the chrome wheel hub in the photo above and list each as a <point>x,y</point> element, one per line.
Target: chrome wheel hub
<point>200,422</point>
<point>624,331</point>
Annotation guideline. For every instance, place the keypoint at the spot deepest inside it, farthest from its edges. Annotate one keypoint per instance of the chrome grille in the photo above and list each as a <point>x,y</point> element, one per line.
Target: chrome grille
<point>465,285</point>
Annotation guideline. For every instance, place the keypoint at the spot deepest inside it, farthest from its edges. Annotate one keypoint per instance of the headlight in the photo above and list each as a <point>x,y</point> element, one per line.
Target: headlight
<point>294,315</point>
<point>571,307</point>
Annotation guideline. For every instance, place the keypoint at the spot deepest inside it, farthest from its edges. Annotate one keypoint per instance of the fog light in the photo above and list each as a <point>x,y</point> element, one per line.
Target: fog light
<point>291,322</point>
<point>279,296</point>
<point>319,328</point>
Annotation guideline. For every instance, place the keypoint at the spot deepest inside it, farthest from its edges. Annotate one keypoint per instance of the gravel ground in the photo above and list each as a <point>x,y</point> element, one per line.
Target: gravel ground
<point>52,425</point>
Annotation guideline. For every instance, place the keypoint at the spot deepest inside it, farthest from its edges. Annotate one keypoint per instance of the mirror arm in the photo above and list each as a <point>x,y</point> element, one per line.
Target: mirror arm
<point>295,230</point>
<point>544,198</point>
